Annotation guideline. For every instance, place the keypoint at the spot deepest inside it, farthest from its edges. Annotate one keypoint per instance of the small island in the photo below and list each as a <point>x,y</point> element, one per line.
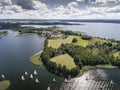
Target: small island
<point>2,33</point>
<point>4,84</point>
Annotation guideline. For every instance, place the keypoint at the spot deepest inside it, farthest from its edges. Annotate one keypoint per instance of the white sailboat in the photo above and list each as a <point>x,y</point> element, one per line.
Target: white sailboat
<point>26,73</point>
<point>54,79</point>
<point>36,80</point>
<point>23,78</point>
<point>48,88</point>
<point>35,72</point>
<point>31,76</point>
<point>112,82</point>
<point>3,76</point>
<point>66,80</point>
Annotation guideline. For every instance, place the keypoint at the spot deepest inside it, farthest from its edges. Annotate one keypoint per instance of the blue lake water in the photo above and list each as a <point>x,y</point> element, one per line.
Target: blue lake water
<point>15,53</point>
<point>104,30</point>
<point>14,61</point>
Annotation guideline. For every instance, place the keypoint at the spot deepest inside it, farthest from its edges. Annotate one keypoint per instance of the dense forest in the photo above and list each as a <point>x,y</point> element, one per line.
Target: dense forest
<point>93,54</point>
<point>49,52</point>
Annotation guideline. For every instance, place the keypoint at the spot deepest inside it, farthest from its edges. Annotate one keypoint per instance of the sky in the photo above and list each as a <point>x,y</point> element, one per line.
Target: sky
<point>59,9</point>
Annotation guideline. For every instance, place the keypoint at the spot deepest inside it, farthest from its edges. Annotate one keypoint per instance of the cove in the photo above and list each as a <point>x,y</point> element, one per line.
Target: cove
<point>14,61</point>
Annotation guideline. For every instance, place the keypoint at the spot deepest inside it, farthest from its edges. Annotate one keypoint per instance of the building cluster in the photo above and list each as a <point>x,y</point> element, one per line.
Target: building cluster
<point>51,33</point>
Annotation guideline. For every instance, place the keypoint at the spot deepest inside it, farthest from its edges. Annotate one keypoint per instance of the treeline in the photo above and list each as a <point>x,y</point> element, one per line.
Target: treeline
<point>84,56</point>
<point>68,32</point>
<point>86,37</point>
<point>24,30</point>
<point>94,54</point>
<point>38,31</point>
<point>9,25</point>
<point>108,49</point>
<point>47,54</point>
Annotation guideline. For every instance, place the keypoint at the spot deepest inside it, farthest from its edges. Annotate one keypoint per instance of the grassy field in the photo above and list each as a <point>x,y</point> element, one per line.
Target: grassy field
<point>55,43</point>
<point>35,59</point>
<point>95,39</point>
<point>116,54</point>
<point>64,60</point>
<point>86,68</point>
<point>81,42</point>
<point>4,84</point>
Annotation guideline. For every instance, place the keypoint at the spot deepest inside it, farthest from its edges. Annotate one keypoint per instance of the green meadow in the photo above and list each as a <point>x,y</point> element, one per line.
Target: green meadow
<point>64,60</point>
<point>56,43</point>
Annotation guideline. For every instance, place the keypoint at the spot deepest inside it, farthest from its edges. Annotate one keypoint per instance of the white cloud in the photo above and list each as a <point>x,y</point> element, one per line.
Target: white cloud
<point>16,8</point>
<point>36,9</point>
<point>5,2</point>
<point>79,0</point>
<point>106,1</point>
<point>11,9</point>
<point>72,5</point>
<point>114,1</point>
<point>101,1</point>
<point>32,4</point>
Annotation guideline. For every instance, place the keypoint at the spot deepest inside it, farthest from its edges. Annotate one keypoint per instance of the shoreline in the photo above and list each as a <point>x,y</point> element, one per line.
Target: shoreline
<point>35,58</point>
<point>87,68</point>
<point>3,35</point>
<point>36,61</point>
<point>4,85</point>
<point>82,71</point>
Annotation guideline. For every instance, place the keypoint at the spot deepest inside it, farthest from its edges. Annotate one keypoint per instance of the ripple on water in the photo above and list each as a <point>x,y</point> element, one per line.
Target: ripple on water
<point>95,79</point>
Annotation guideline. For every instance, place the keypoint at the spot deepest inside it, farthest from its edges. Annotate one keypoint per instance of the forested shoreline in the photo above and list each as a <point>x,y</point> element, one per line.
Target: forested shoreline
<point>95,53</point>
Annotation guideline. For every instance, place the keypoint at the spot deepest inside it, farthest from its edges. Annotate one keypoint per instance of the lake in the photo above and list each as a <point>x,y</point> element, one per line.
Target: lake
<point>15,53</point>
<point>14,61</point>
<point>104,30</point>
<point>95,79</point>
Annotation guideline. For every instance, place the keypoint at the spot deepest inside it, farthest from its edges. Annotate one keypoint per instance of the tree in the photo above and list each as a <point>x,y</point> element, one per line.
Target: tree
<point>52,67</point>
<point>74,71</point>
<point>86,37</point>
<point>65,72</point>
<point>80,65</point>
<point>74,40</point>
<point>59,70</point>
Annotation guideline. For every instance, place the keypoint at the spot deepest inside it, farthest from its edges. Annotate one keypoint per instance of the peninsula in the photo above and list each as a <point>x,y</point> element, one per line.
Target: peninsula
<point>70,53</point>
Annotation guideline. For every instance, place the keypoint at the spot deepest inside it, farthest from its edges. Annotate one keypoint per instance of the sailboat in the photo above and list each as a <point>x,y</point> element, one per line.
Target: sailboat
<point>112,82</point>
<point>36,80</point>
<point>26,73</point>
<point>3,76</point>
<point>54,79</point>
<point>35,72</point>
<point>48,88</point>
<point>66,80</point>
<point>23,78</point>
<point>31,76</point>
